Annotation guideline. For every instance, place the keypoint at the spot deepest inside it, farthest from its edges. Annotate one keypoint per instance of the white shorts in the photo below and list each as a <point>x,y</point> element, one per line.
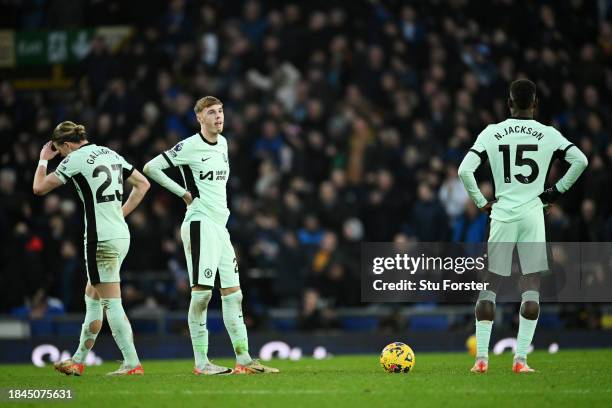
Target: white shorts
<point>208,250</point>
<point>527,234</point>
<point>103,259</point>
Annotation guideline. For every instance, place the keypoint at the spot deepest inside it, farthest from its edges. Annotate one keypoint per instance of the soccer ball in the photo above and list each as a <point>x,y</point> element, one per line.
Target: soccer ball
<point>397,358</point>
<point>470,344</point>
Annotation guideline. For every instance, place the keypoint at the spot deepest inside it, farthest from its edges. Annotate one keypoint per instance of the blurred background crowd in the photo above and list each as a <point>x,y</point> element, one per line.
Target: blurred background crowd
<point>346,122</point>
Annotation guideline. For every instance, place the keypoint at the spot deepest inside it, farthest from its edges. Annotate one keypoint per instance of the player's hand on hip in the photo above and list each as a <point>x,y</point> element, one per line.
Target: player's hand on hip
<point>488,206</point>
<point>550,195</point>
<point>187,198</point>
<point>47,153</point>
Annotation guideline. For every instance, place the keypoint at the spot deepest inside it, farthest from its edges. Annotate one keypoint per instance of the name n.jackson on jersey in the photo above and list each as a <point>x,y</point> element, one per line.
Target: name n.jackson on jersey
<point>528,130</point>
<point>98,173</point>
<point>204,167</point>
<point>520,153</point>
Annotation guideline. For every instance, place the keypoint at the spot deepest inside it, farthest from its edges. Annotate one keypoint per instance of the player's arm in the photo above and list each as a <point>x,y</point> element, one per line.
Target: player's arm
<point>466,171</point>
<point>43,182</point>
<point>155,169</point>
<point>140,186</point>
<point>578,162</point>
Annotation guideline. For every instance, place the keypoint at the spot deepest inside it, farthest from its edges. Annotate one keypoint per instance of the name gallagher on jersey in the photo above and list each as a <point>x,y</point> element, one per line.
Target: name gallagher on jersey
<point>94,155</point>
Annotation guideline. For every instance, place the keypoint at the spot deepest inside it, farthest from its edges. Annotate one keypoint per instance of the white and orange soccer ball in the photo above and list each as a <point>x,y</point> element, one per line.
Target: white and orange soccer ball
<point>397,358</point>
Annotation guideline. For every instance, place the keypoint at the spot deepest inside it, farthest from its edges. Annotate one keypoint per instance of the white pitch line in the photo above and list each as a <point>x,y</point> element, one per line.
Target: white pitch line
<point>228,392</point>
<point>331,392</point>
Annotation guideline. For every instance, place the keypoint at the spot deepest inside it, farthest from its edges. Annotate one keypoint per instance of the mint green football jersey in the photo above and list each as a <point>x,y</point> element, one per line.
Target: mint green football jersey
<point>205,170</point>
<point>98,173</point>
<point>520,152</point>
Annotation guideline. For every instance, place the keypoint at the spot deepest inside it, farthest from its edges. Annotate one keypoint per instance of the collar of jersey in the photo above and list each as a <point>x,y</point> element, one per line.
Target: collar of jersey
<point>86,144</point>
<point>206,141</point>
<point>521,118</point>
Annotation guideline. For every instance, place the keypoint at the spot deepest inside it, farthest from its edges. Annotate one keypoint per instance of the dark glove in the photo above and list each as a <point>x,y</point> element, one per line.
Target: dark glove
<point>550,195</point>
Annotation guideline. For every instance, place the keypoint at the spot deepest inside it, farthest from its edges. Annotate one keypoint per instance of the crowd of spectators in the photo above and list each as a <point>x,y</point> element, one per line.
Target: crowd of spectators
<point>346,122</point>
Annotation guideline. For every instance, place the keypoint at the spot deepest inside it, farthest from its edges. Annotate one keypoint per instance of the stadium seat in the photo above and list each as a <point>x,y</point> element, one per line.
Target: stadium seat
<point>148,326</point>
<point>428,323</point>
<point>41,327</point>
<point>285,324</point>
<point>359,323</point>
<point>215,324</point>
<point>550,321</point>
<point>68,328</point>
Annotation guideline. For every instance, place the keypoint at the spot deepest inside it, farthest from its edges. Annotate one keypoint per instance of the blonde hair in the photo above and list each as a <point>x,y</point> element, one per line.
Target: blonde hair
<point>205,102</point>
<point>68,131</point>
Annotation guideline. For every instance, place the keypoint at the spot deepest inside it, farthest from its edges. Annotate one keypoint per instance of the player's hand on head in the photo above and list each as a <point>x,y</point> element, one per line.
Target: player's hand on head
<point>47,153</point>
<point>187,198</point>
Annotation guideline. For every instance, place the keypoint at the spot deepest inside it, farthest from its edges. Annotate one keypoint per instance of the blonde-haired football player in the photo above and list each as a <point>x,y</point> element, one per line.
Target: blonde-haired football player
<point>98,174</point>
<point>203,162</point>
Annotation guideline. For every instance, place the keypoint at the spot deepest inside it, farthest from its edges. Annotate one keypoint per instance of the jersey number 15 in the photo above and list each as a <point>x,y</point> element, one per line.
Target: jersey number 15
<point>519,160</point>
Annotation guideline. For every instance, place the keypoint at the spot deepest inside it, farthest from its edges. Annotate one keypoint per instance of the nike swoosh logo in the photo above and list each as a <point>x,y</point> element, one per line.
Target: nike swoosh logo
<point>202,324</point>
<point>240,317</point>
<point>259,370</point>
<point>205,159</point>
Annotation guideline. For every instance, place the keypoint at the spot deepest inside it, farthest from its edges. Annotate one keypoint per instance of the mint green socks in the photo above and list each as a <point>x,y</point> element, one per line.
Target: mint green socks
<point>90,329</point>
<point>234,323</point>
<point>483,336</point>
<point>121,329</point>
<point>197,326</point>
<point>526,326</point>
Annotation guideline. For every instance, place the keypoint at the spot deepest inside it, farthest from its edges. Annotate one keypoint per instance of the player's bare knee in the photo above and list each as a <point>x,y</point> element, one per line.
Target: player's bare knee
<point>485,306</point>
<point>485,310</point>
<point>95,326</point>
<point>530,310</point>
<point>530,305</point>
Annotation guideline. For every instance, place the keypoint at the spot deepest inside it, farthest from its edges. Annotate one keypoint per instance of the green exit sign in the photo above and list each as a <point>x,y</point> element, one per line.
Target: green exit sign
<point>51,47</point>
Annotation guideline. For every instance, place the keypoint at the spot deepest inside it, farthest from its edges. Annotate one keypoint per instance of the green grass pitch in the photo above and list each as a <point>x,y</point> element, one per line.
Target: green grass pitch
<point>568,378</point>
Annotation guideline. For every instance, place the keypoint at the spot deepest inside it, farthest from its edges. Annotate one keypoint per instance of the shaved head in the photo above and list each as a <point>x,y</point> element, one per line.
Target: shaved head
<point>523,94</point>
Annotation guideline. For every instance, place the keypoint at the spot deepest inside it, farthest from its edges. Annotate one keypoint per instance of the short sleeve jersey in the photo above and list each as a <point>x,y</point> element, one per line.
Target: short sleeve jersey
<point>520,152</point>
<point>205,170</point>
<point>98,173</point>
